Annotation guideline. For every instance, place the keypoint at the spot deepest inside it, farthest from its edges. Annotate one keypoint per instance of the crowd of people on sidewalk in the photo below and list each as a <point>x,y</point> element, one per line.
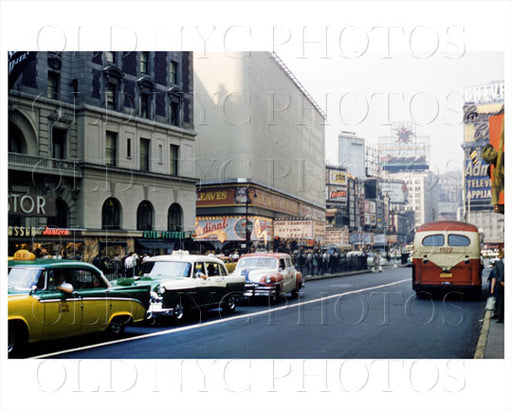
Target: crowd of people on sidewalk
<point>321,262</point>
<point>126,266</point>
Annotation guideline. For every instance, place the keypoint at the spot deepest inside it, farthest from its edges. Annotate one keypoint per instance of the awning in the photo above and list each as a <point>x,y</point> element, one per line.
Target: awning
<point>155,244</point>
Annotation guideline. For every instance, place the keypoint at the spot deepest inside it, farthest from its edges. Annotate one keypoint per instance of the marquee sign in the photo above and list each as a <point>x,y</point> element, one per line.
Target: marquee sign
<point>299,229</point>
<point>232,228</point>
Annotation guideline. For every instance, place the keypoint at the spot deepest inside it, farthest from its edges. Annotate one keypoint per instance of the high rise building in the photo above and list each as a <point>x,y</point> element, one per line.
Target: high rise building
<point>260,153</point>
<point>351,153</point>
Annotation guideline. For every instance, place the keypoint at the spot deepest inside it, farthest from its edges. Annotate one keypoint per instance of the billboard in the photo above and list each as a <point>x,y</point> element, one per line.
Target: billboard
<point>476,122</point>
<point>395,190</point>
<point>337,194</point>
<point>337,177</point>
<point>232,228</point>
<point>477,184</point>
<point>404,151</point>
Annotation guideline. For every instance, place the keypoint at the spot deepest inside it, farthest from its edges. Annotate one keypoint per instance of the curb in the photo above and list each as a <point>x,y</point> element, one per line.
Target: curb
<point>484,334</point>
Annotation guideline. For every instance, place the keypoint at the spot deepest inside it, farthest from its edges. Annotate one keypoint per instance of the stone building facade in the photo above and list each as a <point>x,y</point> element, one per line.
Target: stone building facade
<point>105,140</point>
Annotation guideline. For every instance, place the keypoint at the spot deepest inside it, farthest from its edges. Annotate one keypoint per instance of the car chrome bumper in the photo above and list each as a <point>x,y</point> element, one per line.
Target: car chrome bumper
<point>156,310</point>
<point>253,289</point>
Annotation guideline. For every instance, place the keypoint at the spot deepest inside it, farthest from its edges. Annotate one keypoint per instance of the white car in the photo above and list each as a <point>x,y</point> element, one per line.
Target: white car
<point>182,284</point>
<point>269,274</point>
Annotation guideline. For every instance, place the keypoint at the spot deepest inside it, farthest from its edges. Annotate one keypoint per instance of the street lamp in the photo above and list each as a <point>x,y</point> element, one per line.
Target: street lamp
<point>247,232</point>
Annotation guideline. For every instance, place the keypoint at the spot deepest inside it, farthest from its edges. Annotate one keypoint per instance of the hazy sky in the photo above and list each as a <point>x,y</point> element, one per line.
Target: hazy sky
<point>364,95</point>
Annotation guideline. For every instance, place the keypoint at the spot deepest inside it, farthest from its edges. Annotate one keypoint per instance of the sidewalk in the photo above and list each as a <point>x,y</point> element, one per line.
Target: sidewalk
<point>491,343</point>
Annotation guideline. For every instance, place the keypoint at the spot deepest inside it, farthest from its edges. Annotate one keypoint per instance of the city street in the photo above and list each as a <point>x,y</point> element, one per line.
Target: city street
<point>370,315</point>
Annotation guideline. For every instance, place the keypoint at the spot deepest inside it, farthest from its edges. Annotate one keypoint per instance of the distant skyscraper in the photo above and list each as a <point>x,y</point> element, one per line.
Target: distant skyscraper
<point>352,153</point>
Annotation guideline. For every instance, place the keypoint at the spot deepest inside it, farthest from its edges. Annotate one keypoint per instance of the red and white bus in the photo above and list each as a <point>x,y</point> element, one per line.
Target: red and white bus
<point>446,257</point>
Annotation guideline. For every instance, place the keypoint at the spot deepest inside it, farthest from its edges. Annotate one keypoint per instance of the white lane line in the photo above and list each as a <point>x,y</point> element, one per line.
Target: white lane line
<point>217,322</point>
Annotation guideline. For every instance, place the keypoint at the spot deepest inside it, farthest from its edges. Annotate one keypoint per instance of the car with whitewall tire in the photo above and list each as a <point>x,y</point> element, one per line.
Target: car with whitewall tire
<point>269,275</point>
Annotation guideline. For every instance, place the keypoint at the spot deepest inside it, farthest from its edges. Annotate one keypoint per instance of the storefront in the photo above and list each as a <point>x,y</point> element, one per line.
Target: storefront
<point>163,242</point>
<point>241,216</point>
<point>46,241</point>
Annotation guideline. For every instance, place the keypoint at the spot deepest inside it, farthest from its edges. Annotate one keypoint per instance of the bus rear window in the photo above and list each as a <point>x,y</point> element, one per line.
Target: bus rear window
<point>458,240</point>
<point>433,240</point>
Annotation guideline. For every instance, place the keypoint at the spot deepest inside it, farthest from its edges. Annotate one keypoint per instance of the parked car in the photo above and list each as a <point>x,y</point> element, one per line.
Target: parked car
<point>182,284</point>
<point>51,299</point>
<point>269,274</point>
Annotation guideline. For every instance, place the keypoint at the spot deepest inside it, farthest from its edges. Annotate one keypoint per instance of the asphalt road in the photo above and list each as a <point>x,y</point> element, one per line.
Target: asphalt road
<point>372,315</point>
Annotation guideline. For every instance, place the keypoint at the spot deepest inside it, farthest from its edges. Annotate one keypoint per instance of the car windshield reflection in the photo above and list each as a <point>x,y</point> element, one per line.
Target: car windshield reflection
<point>166,268</point>
<point>23,278</point>
<point>258,262</point>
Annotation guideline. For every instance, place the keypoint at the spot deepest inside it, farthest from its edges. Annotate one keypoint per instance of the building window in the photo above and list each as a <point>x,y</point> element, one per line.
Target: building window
<point>144,154</point>
<point>144,63</point>
<point>111,149</point>
<point>175,218</point>
<point>16,140</point>
<point>111,57</point>
<point>144,105</point>
<point>53,85</point>
<point>145,216</point>
<point>173,73</point>
<point>175,111</point>
<point>58,143</point>
<point>174,154</point>
<point>111,96</point>
<point>111,214</point>
<point>128,148</point>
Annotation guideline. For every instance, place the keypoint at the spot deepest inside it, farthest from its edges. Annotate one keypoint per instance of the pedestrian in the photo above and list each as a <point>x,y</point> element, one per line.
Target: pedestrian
<point>314,267</point>
<point>334,261</point>
<point>309,261</point>
<point>128,264</point>
<point>98,263</point>
<point>325,262</point>
<point>117,265</point>
<point>376,262</point>
<point>499,287</point>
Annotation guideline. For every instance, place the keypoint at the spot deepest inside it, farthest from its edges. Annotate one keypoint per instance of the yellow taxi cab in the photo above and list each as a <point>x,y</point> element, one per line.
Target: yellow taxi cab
<point>51,299</point>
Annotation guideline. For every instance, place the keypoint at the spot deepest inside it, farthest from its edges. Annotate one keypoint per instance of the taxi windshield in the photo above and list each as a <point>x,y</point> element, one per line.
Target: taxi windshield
<point>166,268</point>
<point>21,278</point>
<point>260,262</point>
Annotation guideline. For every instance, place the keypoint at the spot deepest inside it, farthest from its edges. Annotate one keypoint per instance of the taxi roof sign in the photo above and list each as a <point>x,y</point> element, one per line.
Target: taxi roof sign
<point>24,254</point>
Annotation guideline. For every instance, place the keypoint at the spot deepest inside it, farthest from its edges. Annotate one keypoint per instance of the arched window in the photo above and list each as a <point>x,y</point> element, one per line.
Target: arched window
<point>61,218</point>
<point>16,140</point>
<point>145,216</point>
<point>111,214</point>
<point>175,218</point>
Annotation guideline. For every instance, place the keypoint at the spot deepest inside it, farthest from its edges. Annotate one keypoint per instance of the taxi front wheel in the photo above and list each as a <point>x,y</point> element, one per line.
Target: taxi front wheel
<point>17,339</point>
